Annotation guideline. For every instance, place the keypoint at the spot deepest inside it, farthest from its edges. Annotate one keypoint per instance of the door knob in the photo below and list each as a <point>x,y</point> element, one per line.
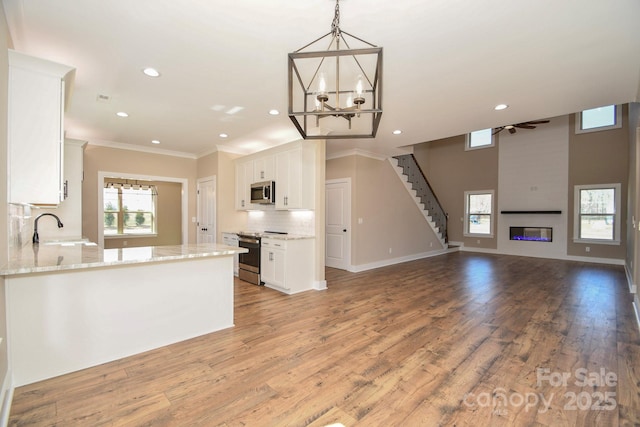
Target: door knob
<point>344,230</point>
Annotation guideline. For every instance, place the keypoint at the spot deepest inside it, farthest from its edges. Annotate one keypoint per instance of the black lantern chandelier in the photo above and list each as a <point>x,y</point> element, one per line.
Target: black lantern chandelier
<point>336,93</point>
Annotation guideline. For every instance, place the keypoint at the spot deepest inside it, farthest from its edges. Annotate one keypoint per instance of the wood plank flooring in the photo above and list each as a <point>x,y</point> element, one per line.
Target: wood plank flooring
<point>457,340</point>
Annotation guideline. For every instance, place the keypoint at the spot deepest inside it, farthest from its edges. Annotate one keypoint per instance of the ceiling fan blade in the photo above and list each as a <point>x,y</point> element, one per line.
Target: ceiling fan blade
<point>537,122</point>
<point>497,130</point>
<point>524,126</point>
<point>512,130</point>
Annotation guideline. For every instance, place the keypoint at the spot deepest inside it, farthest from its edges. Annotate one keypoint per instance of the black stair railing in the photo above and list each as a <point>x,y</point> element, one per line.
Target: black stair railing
<point>419,182</point>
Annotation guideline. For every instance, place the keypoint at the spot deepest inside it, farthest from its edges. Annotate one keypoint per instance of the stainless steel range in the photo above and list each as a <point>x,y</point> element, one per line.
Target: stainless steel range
<point>249,263</point>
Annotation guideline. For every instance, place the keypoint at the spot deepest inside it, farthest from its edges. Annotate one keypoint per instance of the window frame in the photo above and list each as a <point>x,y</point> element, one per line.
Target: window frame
<point>120,219</point>
<point>616,125</point>
<point>468,147</point>
<point>467,214</point>
<point>617,214</point>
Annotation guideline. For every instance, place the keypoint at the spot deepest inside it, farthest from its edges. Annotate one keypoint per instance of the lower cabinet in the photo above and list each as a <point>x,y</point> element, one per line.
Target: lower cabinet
<point>231,239</point>
<point>287,265</point>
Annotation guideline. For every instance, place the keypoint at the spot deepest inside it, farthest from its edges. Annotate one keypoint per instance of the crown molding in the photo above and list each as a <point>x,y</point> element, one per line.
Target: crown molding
<point>150,150</point>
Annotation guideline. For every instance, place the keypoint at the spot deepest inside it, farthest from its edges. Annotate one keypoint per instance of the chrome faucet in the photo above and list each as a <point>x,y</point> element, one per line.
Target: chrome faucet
<point>36,238</point>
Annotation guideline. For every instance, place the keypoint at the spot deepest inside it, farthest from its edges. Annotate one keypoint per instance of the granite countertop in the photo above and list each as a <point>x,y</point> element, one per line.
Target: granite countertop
<point>278,236</point>
<point>60,256</point>
<point>285,236</point>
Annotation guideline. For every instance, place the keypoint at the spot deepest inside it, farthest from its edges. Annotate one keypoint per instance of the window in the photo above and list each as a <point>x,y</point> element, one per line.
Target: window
<point>480,139</point>
<point>129,209</point>
<point>478,213</point>
<point>597,213</point>
<point>597,119</point>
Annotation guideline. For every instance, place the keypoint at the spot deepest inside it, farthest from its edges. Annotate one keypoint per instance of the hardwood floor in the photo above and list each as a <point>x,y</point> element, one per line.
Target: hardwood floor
<point>460,339</point>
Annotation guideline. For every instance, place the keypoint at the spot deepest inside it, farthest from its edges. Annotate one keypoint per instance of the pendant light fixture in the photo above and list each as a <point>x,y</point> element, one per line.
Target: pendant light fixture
<point>336,93</point>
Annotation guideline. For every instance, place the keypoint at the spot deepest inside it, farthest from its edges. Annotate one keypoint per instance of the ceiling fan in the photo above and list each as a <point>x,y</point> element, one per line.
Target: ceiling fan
<point>523,125</point>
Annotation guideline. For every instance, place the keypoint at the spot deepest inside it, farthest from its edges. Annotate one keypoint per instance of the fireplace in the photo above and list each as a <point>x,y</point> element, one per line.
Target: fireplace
<point>531,234</point>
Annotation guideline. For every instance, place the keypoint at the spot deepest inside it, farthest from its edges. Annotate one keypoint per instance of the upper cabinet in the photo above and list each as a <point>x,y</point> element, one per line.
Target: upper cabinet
<point>295,183</point>
<point>292,167</point>
<point>244,179</point>
<point>36,104</point>
<point>264,169</point>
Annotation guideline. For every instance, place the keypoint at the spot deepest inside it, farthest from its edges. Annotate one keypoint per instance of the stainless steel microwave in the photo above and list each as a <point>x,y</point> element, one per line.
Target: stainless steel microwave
<point>263,192</point>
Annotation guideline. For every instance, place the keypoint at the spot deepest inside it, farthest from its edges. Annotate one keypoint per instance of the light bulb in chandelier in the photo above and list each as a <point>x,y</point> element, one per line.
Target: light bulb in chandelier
<point>322,96</point>
<point>358,99</point>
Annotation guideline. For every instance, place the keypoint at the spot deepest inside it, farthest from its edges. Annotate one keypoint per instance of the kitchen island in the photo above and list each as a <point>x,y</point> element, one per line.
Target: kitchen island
<point>73,305</point>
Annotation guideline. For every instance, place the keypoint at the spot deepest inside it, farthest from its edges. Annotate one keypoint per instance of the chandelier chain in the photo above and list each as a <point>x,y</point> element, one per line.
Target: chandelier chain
<point>335,25</point>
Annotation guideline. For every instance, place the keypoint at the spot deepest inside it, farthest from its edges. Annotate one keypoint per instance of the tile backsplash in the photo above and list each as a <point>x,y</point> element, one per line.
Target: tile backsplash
<point>20,227</point>
<point>292,222</point>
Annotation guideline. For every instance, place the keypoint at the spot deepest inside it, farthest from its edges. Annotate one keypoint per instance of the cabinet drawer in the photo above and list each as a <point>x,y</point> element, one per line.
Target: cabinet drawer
<point>274,243</point>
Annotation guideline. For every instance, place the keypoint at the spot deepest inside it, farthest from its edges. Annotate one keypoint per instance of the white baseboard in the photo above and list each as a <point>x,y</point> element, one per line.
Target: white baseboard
<point>610,261</point>
<point>7,399</point>
<point>393,261</point>
<point>632,286</point>
<point>320,285</point>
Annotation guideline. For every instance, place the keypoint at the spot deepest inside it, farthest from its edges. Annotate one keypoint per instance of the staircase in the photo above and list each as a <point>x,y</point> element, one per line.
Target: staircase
<point>418,187</point>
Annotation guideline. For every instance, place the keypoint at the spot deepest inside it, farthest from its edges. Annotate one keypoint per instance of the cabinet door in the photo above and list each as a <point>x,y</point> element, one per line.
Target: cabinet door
<point>282,180</point>
<point>273,263</point>
<point>267,265</point>
<point>289,179</point>
<point>294,196</point>
<point>244,178</point>
<point>280,268</point>
<point>264,168</point>
<point>35,137</point>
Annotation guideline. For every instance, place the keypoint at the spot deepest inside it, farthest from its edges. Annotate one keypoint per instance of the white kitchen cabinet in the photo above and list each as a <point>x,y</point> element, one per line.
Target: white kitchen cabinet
<point>293,168</point>
<point>264,168</point>
<point>231,239</point>
<point>244,179</point>
<point>295,178</point>
<point>35,129</point>
<point>272,263</point>
<point>287,265</point>
<point>70,209</point>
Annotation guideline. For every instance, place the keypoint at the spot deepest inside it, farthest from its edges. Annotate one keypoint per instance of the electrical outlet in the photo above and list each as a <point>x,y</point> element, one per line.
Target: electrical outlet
<point>587,249</point>
<point>390,250</point>
<point>478,241</point>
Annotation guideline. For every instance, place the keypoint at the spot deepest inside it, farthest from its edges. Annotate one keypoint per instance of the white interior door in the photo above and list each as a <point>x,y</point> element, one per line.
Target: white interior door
<point>207,210</point>
<point>338,223</point>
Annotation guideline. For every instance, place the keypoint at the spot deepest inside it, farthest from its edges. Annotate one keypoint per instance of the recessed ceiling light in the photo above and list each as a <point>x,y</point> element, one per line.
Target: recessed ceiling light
<point>122,114</point>
<point>397,132</point>
<point>500,107</point>
<point>274,112</point>
<point>151,72</point>
<point>223,135</point>
<point>155,141</point>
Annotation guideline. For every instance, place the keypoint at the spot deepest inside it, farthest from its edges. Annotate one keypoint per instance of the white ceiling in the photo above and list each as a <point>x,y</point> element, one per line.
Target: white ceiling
<point>447,63</point>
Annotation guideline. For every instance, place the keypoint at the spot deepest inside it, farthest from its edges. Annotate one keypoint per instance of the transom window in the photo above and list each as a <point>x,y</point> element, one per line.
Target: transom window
<point>597,217</point>
<point>597,119</point>
<point>479,213</point>
<point>480,139</point>
<point>129,209</point>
